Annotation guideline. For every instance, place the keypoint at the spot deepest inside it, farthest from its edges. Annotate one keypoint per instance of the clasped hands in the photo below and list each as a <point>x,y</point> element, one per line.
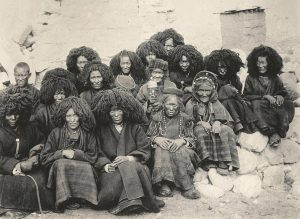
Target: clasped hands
<point>169,144</point>
<point>275,100</point>
<point>215,127</point>
<point>118,160</point>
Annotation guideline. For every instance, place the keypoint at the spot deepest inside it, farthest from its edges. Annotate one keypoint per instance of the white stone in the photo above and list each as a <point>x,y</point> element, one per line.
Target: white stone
<point>200,176</point>
<point>294,130</point>
<point>253,142</point>
<point>248,185</point>
<point>289,80</point>
<point>273,155</point>
<point>209,191</point>
<point>296,188</point>
<point>292,174</point>
<point>223,182</point>
<point>273,175</point>
<point>248,161</point>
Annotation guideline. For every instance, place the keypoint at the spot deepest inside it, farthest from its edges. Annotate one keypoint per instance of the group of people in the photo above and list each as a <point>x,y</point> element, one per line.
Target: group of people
<point>116,137</point>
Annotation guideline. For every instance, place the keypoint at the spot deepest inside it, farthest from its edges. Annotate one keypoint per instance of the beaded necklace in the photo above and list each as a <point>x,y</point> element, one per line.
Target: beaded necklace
<point>163,125</point>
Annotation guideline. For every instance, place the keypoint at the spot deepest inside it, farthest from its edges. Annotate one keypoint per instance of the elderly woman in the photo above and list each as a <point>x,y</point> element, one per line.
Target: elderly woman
<point>56,85</point>
<point>169,38</point>
<point>184,62</point>
<point>215,139</point>
<point>129,63</point>
<point>171,134</point>
<point>150,50</point>
<point>124,149</point>
<point>95,77</point>
<point>77,59</point>
<point>69,154</point>
<point>20,144</point>
<point>268,97</point>
<point>226,64</point>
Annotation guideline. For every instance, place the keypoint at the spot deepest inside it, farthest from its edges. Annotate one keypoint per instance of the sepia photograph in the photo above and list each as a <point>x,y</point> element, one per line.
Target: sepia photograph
<point>150,109</point>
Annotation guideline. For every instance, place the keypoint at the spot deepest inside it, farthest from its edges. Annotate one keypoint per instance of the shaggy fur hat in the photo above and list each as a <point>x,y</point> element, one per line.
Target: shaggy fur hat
<point>106,99</point>
<point>273,58</point>
<point>230,59</point>
<point>194,57</point>
<point>158,63</point>
<point>163,36</point>
<point>56,79</point>
<point>153,46</point>
<point>84,77</point>
<point>16,101</point>
<point>125,83</point>
<point>137,69</point>
<point>87,52</point>
<point>81,109</point>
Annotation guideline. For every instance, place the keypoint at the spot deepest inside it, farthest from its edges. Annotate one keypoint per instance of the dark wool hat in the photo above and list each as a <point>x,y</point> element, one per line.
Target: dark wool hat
<point>158,63</point>
<point>125,82</point>
<point>173,91</point>
<point>81,109</point>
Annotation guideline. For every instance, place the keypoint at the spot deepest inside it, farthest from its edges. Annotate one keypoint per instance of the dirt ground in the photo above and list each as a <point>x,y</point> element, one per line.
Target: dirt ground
<point>273,202</point>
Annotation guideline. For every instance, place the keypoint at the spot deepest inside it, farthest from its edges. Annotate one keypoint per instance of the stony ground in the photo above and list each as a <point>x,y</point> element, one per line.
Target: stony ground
<point>273,202</point>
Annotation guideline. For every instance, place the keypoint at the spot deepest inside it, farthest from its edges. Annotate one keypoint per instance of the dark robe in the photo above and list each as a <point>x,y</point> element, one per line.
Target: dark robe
<point>43,118</point>
<point>130,184</point>
<point>71,178</point>
<point>19,192</point>
<point>244,119</point>
<point>176,167</point>
<point>88,95</point>
<point>270,119</point>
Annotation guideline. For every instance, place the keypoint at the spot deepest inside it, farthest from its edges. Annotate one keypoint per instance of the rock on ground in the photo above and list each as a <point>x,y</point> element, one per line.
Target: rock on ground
<point>253,142</point>
<point>223,182</point>
<point>248,185</point>
<point>248,161</point>
<point>273,175</point>
<point>209,191</point>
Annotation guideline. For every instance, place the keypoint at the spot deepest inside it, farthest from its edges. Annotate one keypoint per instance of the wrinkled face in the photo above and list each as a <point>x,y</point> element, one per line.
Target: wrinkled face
<point>59,96</point>
<point>125,64</point>
<point>72,119</point>
<point>81,62</point>
<point>184,63</point>
<point>171,106</point>
<point>262,64</point>
<point>12,120</point>
<point>22,75</point>
<point>116,116</point>
<point>150,56</point>
<point>204,92</point>
<point>96,80</point>
<point>157,75</point>
<point>222,69</point>
<point>169,45</point>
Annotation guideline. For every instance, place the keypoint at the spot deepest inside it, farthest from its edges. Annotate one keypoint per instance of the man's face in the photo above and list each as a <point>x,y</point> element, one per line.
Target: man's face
<point>22,76</point>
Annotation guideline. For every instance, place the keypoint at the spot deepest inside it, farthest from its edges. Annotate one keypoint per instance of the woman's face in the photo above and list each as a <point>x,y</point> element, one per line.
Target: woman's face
<point>81,62</point>
<point>204,92</point>
<point>262,64</point>
<point>184,63</point>
<point>171,106</point>
<point>116,116</point>
<point>72,119</point>
<point>12,120</point>
<point>59,96</point>
<point>150,56</point>
<point>125,64</point>
<point>222,69</point>
<point>157,75</point>
<point>169,45</point>
<point>96,80</point>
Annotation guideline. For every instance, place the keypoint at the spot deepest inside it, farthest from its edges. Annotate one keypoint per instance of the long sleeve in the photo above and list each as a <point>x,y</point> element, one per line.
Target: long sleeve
<point>7,164</point>
<point>249,92</point>
<point>102,160</point>
<point>142,96</point>
<point>90,152</point>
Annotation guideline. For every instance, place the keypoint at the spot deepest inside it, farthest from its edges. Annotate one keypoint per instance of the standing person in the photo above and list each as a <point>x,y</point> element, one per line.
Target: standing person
<point>171,134</point>
<point>56,85</point>
<point>216,145</point>
<point>77,59</point>
<point>226,64</point>
<point>22,75</point>
<point>150,50</point>
<point>20,145</point>
<point>69,155</point>
<point>268,97</point>
<point>124,149</point>
<point>95,77</point>
<point>169,38</point>
<point>184,62</point>
<point>129,64</point>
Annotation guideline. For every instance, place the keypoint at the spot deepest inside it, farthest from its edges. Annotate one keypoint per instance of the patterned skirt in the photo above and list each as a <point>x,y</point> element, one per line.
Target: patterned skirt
<point>178,167</point>
<point>217,147</point>
<point>72,179</point>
